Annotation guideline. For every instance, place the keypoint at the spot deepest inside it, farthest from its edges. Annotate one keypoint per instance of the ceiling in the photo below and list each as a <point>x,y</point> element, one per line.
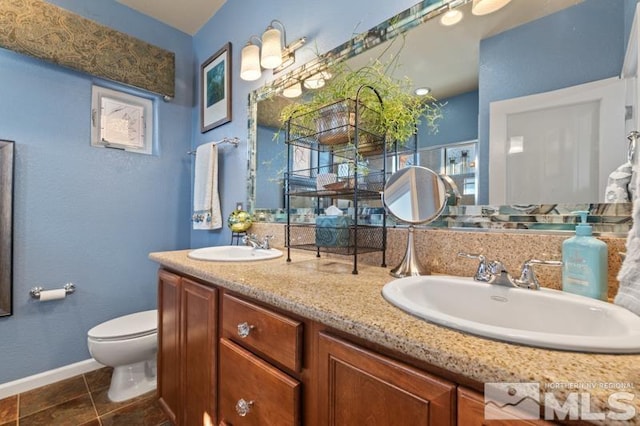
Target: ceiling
<point>186,15</point>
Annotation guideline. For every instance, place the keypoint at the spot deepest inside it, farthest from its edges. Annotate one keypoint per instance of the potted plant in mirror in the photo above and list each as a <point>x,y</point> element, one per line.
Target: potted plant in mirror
<point>386,107</point>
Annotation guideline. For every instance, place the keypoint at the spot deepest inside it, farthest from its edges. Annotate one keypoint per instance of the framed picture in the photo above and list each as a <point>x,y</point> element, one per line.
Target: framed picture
<point>215,81</point>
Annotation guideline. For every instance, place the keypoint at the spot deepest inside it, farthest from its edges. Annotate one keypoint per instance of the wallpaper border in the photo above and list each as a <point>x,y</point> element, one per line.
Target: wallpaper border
<point>50,33</point>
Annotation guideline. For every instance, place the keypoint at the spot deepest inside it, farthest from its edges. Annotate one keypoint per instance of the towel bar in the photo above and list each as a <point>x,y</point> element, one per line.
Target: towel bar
<point>233,141</point>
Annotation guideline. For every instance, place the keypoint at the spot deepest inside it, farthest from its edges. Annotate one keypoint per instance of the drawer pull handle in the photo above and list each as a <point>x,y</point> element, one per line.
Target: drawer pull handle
<point>244,329</point>
<point>243,407</point>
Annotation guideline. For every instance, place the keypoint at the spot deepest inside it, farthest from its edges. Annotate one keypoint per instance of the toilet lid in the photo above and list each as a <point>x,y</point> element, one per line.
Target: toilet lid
<point>128,326</point>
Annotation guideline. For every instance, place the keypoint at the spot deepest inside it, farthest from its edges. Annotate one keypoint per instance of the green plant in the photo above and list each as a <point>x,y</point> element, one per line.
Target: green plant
<point>396,117</point>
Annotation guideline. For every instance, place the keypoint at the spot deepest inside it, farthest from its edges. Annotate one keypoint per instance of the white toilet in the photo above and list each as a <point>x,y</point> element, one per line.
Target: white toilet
<point>128,344</point>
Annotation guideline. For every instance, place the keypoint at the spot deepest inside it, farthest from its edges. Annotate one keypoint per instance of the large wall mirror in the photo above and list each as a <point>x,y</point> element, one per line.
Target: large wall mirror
<point>6,226</point>
<point>524,49</point>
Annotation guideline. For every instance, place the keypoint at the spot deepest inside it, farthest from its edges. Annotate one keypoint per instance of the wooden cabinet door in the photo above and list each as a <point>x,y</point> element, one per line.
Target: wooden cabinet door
<point>198,358</point>
<point>471,412</point>
<point>359,387</point>
<point>169,390</point>
<point>253,392</point>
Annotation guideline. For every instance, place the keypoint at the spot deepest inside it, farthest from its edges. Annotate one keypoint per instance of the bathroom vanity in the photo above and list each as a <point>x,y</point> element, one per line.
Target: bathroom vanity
<point>307,342</point>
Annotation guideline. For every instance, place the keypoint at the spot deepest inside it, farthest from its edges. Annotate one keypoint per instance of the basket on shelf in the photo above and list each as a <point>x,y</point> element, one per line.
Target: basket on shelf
<point>335,124</point>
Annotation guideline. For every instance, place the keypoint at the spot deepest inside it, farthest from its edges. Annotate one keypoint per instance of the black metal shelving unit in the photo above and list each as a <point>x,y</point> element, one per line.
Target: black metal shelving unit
<point>341,144</point>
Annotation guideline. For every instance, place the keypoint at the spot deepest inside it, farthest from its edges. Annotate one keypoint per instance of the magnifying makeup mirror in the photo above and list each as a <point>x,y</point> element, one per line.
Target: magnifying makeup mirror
<point>414,195</point>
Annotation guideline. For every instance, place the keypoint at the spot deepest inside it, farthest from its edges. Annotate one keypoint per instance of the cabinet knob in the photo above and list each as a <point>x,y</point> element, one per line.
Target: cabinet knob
<point>243,407</point>
<point>244,329</point>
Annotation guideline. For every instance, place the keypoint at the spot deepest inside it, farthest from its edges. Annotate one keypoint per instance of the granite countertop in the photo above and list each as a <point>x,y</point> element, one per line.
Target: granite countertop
<point>325,290</point>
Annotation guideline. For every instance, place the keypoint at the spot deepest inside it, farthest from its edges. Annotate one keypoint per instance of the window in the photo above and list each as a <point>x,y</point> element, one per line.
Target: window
<point>121,121</point>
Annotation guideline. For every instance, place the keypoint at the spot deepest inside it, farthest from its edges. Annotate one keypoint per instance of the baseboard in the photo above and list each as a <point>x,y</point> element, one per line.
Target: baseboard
<point>48,377</point>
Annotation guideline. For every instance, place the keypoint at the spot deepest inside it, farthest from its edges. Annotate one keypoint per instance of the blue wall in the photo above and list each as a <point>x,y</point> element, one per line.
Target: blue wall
<point>83,214</point>
<point>459,122</point>
<point>583,43</point>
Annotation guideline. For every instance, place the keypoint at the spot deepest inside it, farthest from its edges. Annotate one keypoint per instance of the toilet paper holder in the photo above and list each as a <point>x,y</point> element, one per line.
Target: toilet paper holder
<point>35,291</point>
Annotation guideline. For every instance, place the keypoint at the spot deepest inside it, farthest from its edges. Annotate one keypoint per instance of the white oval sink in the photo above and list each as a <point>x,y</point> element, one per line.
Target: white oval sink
<point>233,254</point>
<point>544,318</point>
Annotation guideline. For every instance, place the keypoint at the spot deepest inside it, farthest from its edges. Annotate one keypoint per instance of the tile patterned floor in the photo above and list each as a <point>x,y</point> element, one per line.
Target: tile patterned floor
<point>80,401</point>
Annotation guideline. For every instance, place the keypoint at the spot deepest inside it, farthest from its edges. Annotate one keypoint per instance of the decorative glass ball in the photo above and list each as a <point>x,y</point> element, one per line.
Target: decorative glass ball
<point>239,221</point>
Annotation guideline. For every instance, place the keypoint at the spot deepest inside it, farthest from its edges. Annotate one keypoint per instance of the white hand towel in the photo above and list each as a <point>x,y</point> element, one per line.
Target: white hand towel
<point>618,188</point>
<point>629,276</point>
<point>206,201</point>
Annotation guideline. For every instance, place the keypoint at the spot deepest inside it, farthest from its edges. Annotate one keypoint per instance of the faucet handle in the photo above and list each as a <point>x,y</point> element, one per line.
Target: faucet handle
<point>482,273</point>
<point>528,277</point>
<point>472,256</point>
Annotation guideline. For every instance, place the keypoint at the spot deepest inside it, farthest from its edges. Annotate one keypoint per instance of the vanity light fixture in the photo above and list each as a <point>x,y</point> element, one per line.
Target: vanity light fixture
<point>292,91</point>
<point>250,61</point>
<point>451,17</point>
<point>484,7</point>
<point>271,55</point>
<point>275,53</point>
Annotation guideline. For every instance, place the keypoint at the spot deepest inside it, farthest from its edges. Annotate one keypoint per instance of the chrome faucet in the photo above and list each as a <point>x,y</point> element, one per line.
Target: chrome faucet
<point>494,272</point>
<point>255,242</point>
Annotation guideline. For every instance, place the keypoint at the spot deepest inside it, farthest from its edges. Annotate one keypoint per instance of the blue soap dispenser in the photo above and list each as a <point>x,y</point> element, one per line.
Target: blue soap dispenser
<point>585,262</point>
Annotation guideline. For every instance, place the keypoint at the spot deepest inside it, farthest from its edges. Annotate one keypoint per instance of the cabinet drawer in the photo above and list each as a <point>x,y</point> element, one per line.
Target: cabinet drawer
<point>269,396</point>
<point>270,334</point>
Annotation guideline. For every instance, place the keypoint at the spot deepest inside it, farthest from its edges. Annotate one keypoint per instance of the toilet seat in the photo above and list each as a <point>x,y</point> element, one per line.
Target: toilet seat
<point>130,326</point>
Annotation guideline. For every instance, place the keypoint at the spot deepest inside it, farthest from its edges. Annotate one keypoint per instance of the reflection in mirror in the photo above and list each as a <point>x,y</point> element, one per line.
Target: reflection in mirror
<point>565,136</point>
<point>414,195</point>
<point>6,226</point>
<point>476,62</point>
<point>456,162</point>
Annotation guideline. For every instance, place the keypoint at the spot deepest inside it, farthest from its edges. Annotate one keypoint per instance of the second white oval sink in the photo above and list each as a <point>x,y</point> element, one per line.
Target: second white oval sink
<point>544,318</point>
<point>234,254</point>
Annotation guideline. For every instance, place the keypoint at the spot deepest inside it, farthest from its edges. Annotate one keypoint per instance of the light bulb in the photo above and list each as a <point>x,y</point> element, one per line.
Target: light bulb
<point>452,17</point>
<point>292,91</point>
<point>317,80</point>
<point>250,63</point>
<point>271,49</point>
<point>484,7</point>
